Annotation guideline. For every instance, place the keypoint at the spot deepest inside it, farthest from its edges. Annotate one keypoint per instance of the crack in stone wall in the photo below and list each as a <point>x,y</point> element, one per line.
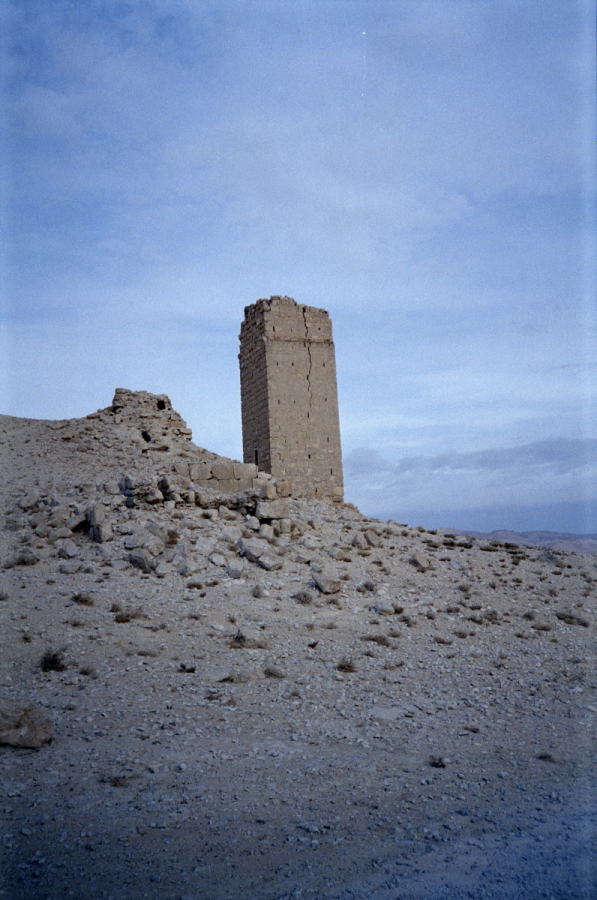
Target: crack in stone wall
<point>309,370</point>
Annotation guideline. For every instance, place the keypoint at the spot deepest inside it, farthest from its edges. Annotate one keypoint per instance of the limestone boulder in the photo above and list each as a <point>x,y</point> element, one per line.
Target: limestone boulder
<point>26,727</point>
<point>252,548</point>
<point>142,559</point>
<point>420,562</point>
<point>327,582</point>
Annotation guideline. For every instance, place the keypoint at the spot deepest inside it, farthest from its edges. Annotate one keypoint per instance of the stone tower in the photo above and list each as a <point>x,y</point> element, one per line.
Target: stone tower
<point>289,397</point>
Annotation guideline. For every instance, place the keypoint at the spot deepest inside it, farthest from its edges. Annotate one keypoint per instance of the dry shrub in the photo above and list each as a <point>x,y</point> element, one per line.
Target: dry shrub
<point>380,639</point>
<point>52,661</point>
<point>188,669</point>
<point>239,640</point>
<point>242,642</point>
<point>127,615</point>
<point>571,619</point>
<point>346,665</point>
<point>366,587</point>
<point>82,598</point>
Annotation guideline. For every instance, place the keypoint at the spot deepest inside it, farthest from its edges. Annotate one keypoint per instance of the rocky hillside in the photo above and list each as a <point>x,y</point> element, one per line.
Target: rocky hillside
<point>212,688</point>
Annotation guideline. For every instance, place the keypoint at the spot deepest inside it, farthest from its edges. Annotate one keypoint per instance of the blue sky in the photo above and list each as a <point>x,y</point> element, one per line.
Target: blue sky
<point>423,169</point>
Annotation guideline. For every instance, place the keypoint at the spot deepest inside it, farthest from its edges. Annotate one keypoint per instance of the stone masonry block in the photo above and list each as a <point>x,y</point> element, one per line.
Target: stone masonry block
<point>272,509</point>
<point>222,471</point>
<point>229,485</point>
<point>245,470</point>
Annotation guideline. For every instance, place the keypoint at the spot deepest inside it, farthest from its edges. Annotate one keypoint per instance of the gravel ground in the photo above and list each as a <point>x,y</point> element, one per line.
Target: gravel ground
<point>225,730</point>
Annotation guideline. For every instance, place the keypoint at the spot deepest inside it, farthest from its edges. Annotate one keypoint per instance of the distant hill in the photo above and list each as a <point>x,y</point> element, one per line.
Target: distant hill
<point>570,543</point>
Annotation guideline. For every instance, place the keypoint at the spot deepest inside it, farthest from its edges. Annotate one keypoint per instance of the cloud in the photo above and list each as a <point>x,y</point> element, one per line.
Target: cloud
<point>538,474</point>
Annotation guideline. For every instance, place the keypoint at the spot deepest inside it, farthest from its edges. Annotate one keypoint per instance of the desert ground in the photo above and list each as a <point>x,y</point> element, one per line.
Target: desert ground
<point>259,695</point>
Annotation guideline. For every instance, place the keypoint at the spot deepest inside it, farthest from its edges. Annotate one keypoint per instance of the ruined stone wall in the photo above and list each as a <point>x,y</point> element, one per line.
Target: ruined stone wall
<point>163,432</point>
<point>289,396</point>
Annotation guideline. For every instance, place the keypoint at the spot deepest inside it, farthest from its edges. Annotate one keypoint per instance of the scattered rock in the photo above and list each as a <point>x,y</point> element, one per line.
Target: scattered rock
<point>420,562</point>
<point>270,563</point>
<point>142,559</point>
<point>26,727</point>
<point>384,608</point>
<point>386,714</point>
<point>68,550</point>
<point>327,583</point>
<point>272,671</point>
<point>252,548</point>
<point>235,569</point>
<point>372,539</point>
<point>71,567</point>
